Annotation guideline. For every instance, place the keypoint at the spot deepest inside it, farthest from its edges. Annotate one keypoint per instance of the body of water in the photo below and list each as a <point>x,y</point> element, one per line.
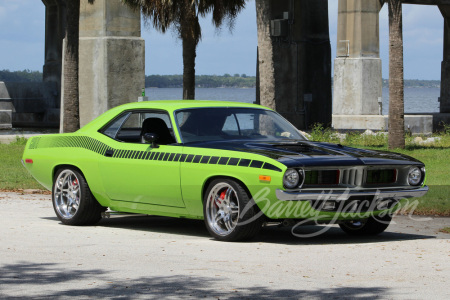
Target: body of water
<point>417,100</point>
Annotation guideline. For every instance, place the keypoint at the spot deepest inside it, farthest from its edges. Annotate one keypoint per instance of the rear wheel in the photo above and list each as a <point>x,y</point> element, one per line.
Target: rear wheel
<point>72,199</point>
<point>229,212</point>
<point>371,226</point>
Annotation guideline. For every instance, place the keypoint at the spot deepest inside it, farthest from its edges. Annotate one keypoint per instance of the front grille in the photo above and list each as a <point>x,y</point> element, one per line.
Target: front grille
<point>356,177</point>
<point>382,176</point>
<point>321,177</point>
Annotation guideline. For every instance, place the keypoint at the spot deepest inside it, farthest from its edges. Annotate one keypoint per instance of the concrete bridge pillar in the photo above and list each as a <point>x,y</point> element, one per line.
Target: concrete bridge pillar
<point>294,46</point>
<point>357,67</point>
<point>445,66</point>
<point>112,60</point>
<point>55,17</point>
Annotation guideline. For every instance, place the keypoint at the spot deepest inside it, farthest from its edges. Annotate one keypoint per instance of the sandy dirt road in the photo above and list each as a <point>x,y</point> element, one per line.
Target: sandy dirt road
<point>163,258</point>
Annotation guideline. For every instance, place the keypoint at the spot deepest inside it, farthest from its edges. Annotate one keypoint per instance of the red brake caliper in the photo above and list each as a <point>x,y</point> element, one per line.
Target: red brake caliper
<point>222,196</point>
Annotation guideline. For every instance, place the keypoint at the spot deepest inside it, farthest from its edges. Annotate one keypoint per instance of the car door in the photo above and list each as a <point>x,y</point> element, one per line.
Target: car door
<point>134,171</point>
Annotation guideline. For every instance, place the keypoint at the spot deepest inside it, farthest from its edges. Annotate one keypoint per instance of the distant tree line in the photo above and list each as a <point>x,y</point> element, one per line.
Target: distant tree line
<point>20,76</point>
<point>417,83</point>
<point>203,81</point>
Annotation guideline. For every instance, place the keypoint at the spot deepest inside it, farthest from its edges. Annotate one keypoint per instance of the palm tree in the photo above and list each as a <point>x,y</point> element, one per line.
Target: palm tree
<point>183,16</point>
<point>266,68</point>
<point>396,93</point>
<point>71,121</point>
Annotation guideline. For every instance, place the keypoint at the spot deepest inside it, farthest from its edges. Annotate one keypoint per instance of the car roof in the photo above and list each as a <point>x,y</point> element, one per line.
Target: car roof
<point>180,104</point>
<point>169,105</point>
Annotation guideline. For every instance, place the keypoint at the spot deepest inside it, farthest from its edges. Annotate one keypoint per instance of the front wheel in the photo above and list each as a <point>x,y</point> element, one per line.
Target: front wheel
<point>72,199</point>
<point>371,226</point>
<point>230,213</point>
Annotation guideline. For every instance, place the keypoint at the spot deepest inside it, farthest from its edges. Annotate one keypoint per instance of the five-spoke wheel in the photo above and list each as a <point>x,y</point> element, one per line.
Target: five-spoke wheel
<point>72,200</point>
<point>229,213</point>
<point>67,194</point>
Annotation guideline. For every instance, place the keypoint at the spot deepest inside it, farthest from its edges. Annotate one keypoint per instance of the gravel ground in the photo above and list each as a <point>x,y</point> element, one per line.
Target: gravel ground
<point>155,257</point>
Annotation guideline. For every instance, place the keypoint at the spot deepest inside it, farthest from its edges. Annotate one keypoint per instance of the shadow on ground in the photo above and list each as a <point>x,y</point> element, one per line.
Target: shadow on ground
<point>302,235</point>
<point>52,281</point>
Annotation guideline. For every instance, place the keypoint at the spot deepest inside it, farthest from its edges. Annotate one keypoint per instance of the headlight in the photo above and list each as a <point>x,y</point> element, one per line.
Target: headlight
<point>414,176</point>
<point>292,178</point>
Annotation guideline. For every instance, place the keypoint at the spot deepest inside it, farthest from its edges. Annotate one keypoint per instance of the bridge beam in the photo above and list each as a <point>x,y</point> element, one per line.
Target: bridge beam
<point>427,2</point>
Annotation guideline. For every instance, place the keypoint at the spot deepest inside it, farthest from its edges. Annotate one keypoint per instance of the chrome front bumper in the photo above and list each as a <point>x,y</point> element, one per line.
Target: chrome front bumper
<point>343,195</point>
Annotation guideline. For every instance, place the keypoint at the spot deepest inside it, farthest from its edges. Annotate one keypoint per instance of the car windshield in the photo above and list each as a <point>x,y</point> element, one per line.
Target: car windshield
<point>224,123</point>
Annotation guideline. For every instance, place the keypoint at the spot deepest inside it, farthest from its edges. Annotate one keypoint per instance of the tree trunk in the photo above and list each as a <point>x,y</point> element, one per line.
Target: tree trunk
<point>189,23</point>
<point>189,54</point>
<point>265,54</point>
<point>71,120</point>
<point>396,93</point>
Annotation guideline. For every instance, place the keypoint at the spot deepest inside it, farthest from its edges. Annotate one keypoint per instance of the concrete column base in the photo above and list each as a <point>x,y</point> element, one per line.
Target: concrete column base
<point>5,119</point>
<point>360,122</point>
<point>111,74</point>
<point>357,86</point>
<point>440,120</point>
<point>6,104</point>
<point>416,124</point>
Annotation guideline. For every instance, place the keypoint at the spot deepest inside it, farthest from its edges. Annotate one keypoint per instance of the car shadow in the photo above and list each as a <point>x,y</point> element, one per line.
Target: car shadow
<point>305,235</point>
<point>158,224</point>
<point>328,235</point>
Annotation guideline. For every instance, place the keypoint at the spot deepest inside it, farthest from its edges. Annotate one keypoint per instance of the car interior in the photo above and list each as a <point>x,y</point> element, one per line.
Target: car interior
<point>131,128</point>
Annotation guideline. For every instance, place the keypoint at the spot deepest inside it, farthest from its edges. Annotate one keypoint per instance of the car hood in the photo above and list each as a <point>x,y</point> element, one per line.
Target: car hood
<point>308,153</point>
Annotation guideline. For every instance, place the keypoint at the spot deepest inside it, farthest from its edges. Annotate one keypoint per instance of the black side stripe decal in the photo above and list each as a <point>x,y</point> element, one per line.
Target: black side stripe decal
<point>96,146</point>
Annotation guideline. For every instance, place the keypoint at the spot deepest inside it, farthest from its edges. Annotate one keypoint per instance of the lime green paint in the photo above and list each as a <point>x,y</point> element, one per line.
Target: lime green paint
<point>157,187</point>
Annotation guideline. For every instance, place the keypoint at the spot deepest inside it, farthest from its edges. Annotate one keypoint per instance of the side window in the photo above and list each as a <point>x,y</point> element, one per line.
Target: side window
<point>130,127</point>
<point>113,129</point>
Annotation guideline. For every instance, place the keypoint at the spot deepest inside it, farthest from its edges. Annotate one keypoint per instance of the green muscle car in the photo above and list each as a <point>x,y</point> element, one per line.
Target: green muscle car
<point>235,165</point>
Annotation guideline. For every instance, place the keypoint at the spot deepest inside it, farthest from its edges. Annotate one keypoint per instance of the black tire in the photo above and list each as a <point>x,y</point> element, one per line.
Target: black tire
<point>72,199</point>
<point>237,219</point>
<point>371,226</point>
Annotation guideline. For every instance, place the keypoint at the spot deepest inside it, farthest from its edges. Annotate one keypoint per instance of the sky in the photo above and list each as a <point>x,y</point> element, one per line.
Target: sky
<point>22,34</point>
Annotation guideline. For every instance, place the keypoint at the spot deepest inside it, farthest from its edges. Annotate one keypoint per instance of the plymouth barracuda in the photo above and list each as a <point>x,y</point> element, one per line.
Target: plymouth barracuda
<point>237,166</point>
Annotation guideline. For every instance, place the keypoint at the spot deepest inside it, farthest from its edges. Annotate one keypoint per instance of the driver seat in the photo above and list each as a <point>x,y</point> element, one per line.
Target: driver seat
<point>159,127</point>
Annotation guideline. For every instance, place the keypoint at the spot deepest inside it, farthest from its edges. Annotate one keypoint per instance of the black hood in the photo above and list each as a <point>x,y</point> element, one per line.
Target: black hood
<point>307,153</point>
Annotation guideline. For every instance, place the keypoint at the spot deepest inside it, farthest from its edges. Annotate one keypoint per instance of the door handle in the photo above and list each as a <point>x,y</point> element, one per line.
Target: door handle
<point>109,153</point>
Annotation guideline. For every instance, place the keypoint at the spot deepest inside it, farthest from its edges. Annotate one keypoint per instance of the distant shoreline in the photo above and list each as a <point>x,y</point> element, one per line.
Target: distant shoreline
<point>201,81</point>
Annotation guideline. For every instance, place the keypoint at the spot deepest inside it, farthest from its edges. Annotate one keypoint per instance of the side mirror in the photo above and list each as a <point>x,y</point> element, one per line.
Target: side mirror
<point>150,138</point>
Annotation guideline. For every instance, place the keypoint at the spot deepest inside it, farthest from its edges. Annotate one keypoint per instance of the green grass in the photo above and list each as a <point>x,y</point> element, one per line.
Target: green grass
<point>445,230</point>
<point>13,176</point>
<point>437,163</point>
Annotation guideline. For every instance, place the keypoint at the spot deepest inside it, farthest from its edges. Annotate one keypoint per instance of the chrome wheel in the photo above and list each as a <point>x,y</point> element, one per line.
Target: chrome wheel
<point>67,194</point>
<point>222,209</point>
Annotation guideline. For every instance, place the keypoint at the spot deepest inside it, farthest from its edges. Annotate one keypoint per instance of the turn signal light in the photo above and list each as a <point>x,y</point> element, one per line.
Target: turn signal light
<point>265,178</point>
